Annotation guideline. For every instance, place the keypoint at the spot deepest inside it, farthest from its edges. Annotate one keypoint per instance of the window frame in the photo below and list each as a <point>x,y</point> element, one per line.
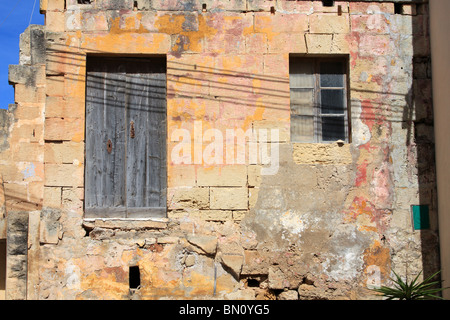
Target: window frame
<point>317,113</point>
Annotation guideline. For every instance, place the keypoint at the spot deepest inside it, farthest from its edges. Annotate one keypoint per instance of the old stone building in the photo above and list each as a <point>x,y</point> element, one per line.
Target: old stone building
<point>241,149</point>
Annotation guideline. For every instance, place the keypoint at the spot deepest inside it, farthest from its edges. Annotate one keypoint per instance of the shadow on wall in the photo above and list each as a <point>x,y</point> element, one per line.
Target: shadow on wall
<point>224,85</point>
<point>420,100</point>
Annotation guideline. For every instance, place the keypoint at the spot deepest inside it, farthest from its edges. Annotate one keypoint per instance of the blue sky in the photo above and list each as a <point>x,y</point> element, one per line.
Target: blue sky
<point>14,19</point>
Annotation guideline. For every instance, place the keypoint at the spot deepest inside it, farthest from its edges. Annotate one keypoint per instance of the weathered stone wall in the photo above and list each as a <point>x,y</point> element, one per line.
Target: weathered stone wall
<point>331,220</point>
<point>22,163</point>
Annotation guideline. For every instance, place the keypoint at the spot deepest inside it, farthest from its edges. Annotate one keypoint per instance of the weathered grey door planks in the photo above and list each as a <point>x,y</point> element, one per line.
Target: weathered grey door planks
<point>126,169</point>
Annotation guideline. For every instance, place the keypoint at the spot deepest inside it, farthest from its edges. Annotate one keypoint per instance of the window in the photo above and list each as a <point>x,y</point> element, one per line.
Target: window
<point>125,171</point>
<point>318,100</point>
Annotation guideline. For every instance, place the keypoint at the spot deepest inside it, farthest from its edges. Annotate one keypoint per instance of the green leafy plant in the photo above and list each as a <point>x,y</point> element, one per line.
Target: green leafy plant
<point>413,290</point>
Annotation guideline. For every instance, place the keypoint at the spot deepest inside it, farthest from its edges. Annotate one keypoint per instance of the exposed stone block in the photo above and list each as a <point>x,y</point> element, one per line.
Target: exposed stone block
<point>340,44</point>
<point>35,193</point>
<point>238,215</point>
<point>254,175</point>
<point>60,129</point>
<point>252,197</point>
<point>322,153</point>
<point>28,132</point>
<point>377,45</point>
<point>2,200</point>
<point>55,21</point>
<point>208,244</point>
<point>319,43</point>
<point>181,176</point>
<point>63,175</point>
<point>305,7</point>
<point>255,263</point>
<point>265,128</point>
<point>260,5</point>
<point>277,65</point>
<point>273,25</point>
<point>52,197</point>
<point>409,9</point>
<point>188,86</point>
<point>224,176</point>
<point>244,294</point>
<point>287,42</point>
<point>373,24</point>
<point>188,197</point>
<point>28,152</point>
<point>65,152</point>
<point>43,5</point>
<point>15,192</point>
<point>195,5</point>
<point>27,94</point>
<point>50,229</point>
<point>288,295</point>
<point>216,215</point>
<point>232,87</point>
<point>37,44</point>
<point>331,24</point>
<point>168,240</point>
<point>55,107</point>
<point>25,48</point>
<point>55,5</point>
<point>127,224</point>
<point>55,86</point>
<point>277,279</point>
<point>17,233</point>
<point>218,5</point>
<point>72,198</point>
<point>114,4</point>
<point>370,7</point>
<point>33,263</point>
<point>189,261</point>
<point>16,286</point>
<point>88,21</point>
<point>29,111</point>
<point>62,59</point>
<point>256,43</point>
<point>229,198</point>
<point>16,263</point>
<point>171,5</point>
<point>23,74</point>
<point>233,262</point>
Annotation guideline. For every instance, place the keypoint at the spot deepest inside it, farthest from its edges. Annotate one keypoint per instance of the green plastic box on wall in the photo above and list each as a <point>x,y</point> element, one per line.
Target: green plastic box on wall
<point>420,217</point>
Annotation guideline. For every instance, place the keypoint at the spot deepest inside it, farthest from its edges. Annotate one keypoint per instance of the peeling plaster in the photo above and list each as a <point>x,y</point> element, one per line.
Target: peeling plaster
<point>361,132</point>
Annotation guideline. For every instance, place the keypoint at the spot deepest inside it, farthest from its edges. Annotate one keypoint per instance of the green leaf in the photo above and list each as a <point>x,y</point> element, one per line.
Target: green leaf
<point>415,279</point>
<point>413,290</point>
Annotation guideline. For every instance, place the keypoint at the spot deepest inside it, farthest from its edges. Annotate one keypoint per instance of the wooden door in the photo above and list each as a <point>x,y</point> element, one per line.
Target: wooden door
<point>125,171</point>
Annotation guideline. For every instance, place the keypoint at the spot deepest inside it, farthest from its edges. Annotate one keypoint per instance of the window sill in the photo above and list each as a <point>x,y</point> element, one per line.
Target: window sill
<point>126,223</point>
